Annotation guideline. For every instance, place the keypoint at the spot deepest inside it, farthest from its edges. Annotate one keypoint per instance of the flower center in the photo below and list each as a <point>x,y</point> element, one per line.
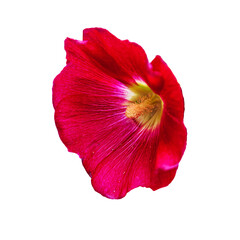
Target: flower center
<point>144,106</point>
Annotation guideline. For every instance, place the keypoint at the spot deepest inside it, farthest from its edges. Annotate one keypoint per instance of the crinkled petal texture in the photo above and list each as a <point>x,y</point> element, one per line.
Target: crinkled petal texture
<point>89,97</point>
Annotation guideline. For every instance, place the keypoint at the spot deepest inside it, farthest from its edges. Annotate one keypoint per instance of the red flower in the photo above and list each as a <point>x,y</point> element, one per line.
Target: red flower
<point>121,114</point>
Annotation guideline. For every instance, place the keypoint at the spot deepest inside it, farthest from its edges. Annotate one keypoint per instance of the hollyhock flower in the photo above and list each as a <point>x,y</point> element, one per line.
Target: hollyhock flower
<point>121,114</point>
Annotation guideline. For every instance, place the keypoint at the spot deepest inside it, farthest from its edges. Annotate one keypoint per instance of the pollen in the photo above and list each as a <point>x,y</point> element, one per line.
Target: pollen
<point>144,107</point>
<point>136,109</point>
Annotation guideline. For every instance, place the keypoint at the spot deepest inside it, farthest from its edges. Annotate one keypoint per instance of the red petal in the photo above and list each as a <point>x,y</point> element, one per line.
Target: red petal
<point>123,60</point>
<point>165,84</point>
<point>173,134</point>
<point>130,166</point>
<point>83,97</point>
<point>84,78</point>
<point>172,144</point>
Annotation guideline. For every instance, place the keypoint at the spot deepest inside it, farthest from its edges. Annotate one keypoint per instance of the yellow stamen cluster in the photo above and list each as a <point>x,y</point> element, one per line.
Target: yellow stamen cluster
<point>136,109</point>
<point>144,106</point>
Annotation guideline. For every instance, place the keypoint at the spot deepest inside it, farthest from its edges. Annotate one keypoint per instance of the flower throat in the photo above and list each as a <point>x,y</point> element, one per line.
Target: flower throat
<point>144,106</point>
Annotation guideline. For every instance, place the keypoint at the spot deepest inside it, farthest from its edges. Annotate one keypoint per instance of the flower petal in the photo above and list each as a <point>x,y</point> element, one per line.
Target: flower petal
<point>173,133</point>
<point>79,103</point>
<point>84,78</point>
<point>123,60</point>
<point>165,84</point>
<point>172,142</point>
<point>130,166</point>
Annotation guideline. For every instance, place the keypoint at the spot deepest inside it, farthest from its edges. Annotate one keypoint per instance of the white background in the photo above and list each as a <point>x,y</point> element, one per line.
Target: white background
<point>45,192</point>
